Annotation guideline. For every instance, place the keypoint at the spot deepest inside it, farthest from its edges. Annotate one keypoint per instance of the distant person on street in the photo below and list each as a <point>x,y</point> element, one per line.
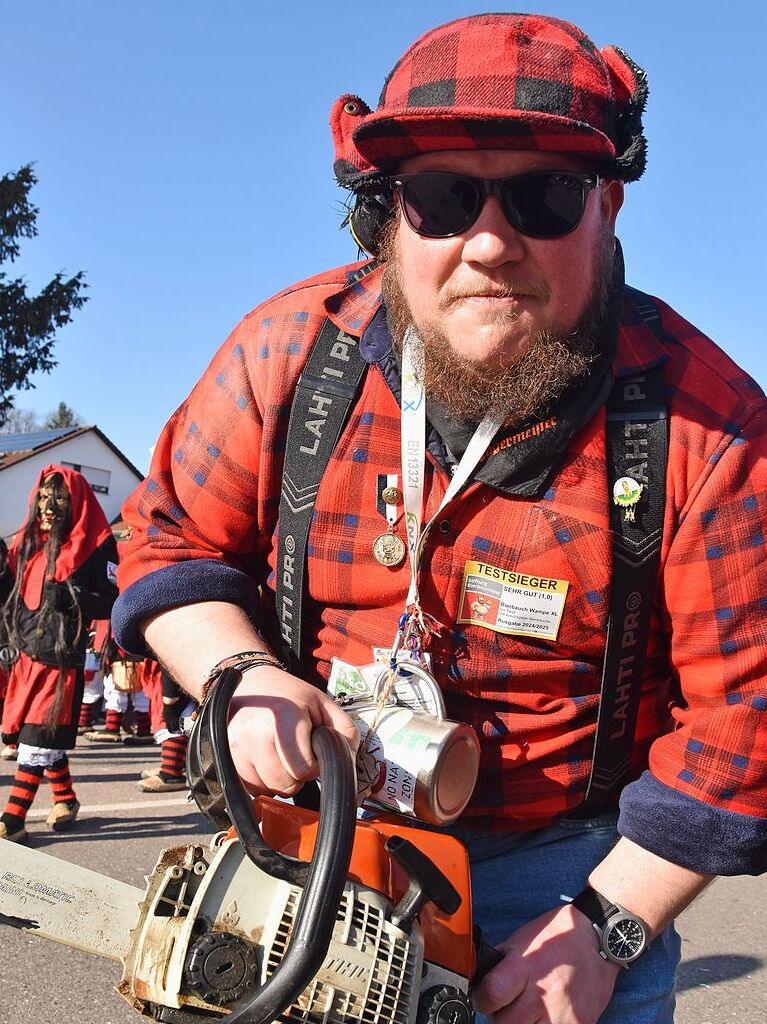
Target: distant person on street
<point>60,576</point>
<point>169,704</point>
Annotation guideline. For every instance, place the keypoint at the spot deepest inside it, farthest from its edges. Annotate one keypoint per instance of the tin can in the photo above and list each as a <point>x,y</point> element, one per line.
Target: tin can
<point>413,687</point>
<point>419,765</point>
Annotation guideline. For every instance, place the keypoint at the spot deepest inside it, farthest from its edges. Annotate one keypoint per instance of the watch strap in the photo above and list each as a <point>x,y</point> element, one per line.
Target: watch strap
<point>597,908</point>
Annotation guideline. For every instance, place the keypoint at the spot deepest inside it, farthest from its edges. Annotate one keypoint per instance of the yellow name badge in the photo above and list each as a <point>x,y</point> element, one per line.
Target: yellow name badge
<point>517,603</point>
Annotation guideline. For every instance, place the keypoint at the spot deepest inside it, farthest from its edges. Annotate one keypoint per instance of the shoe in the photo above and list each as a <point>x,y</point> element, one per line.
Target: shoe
<point>63,815</point>
<point>132,740</point>
<point>13,837</point>
<point>9,753</point>
<point>103,736</point>
<point>156,784</point>
<point>150,773</point>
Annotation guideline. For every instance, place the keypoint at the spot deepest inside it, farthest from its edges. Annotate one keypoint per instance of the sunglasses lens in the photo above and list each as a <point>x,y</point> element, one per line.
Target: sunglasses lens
<point>544,205</point>
<point>438,205</point>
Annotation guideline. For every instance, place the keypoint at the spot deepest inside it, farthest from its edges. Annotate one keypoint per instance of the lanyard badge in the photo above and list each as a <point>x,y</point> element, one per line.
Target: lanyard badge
<point>416,627</point>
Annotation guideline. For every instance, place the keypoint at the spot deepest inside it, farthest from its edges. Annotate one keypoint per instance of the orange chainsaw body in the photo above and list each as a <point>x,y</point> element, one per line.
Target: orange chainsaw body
<point>448,939</point>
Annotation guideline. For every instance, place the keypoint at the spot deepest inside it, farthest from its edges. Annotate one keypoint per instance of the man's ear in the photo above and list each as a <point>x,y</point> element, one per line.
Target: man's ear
<point>612,200</point>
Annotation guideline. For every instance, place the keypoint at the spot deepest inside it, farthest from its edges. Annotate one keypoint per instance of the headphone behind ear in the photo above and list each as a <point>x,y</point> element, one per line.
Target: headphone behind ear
<point>367,219</point>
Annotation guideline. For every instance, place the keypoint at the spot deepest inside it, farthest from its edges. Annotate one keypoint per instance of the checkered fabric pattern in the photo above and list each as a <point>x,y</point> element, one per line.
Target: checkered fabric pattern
<point>212,496</point>
<point>503,81</point>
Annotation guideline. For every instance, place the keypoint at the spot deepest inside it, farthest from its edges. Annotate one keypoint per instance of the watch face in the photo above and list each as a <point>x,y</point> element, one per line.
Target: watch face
<point>624,938</point>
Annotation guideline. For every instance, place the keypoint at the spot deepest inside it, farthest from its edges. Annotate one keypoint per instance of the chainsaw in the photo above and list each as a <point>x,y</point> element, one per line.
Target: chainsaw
<point>287,914</point>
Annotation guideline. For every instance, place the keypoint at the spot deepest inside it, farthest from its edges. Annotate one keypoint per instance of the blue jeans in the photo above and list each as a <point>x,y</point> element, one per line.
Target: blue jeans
<point>517,877</point>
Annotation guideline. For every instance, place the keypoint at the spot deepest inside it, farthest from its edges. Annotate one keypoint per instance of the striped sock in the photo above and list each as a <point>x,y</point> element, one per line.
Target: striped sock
<point>86,716</point>
<point>23,791</point>
<point>143,723</point>
<point>61,781</point>
<point>113,721</point>
<point>173,764</point>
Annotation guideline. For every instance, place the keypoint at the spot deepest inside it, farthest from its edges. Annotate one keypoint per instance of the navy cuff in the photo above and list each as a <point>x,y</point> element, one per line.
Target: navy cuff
<point>182,583</point>
<point>690,833</point>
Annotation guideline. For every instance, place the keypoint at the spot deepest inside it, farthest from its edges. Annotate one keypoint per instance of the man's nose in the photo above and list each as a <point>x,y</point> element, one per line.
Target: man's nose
<point>491,241</point>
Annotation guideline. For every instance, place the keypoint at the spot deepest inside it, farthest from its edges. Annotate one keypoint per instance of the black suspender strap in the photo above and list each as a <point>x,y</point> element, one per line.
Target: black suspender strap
<point>324,395</point>
<point>637,451</point>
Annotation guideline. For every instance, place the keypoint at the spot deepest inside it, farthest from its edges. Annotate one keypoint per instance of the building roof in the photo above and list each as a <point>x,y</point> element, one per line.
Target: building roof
<point>32,441</point>
<point>17,447</point>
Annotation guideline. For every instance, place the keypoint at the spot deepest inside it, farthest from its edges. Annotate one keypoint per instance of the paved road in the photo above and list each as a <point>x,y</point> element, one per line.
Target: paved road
<point>723,978</point>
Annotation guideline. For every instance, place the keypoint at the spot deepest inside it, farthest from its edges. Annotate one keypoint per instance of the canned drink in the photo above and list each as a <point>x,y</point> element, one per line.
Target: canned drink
<point>413,687</point>
<point>418,765</point>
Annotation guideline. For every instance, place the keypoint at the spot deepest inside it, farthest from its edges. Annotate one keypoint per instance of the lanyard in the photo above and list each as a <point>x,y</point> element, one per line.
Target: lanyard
<point>414,460</point>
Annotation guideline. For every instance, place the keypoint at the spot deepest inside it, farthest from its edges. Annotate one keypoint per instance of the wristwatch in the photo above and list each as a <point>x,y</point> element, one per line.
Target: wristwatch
<point>622,935</point>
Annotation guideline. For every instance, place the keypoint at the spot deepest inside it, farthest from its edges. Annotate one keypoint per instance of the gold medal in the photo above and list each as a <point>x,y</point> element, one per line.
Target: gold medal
<point>389,549</point>
<point>626,493</point>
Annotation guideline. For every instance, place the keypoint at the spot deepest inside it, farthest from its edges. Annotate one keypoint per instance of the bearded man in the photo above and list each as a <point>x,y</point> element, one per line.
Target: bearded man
<point>495,332</point>
<point>60,576</point>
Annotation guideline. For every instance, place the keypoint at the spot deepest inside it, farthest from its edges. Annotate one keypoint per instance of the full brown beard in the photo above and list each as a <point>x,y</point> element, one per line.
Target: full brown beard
<point>531,384</point>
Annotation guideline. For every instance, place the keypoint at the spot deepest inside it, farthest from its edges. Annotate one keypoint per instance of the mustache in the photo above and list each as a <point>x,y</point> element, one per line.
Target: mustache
<point>496,289</point>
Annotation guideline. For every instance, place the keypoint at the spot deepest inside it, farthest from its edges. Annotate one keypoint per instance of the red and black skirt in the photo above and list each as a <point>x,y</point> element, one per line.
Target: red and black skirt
<point>29,699</point>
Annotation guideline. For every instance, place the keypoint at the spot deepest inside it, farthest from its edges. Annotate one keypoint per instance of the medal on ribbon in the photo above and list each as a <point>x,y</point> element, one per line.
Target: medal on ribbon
<point>389,549</point>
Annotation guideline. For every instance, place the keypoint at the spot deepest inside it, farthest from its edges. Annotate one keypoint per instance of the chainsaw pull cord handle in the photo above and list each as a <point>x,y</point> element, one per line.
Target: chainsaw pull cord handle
<point>326,874</point>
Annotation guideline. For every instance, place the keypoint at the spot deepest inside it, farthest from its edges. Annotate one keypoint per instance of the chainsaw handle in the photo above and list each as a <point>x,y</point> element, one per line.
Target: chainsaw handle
<point>488,957</point>
<point>322,880</point>
<point>217,790</point>
<point>340,800</point>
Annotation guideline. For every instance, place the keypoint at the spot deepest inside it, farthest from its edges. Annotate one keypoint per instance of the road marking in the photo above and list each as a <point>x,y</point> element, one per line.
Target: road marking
<point>107,809</point>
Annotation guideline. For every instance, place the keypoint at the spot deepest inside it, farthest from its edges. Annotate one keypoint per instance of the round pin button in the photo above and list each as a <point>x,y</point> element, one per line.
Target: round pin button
<point>391,495</point>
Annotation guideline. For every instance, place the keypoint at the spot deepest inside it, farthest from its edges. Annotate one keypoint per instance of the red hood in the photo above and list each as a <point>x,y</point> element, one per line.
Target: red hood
<point>89,529</point>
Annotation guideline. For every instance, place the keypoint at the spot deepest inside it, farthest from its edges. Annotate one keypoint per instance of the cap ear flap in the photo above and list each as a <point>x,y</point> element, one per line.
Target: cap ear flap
<point>369,210</point>
<point>349,165</point>
<point>629,83</point>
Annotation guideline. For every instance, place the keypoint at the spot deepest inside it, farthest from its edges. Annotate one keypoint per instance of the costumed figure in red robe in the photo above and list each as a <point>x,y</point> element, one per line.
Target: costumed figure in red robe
<point>169,705</point>
<point>6,582</point>
<point>63,564</point>
<point>124,696</point>
<point>93,694</point>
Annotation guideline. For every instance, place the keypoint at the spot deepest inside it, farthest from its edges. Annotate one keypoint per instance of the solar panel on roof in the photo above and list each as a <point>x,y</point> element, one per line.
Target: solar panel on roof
<point>28,442</point>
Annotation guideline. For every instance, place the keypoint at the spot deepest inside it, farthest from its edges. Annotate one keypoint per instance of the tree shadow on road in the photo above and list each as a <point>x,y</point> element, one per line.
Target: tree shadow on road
<point>711,970</point>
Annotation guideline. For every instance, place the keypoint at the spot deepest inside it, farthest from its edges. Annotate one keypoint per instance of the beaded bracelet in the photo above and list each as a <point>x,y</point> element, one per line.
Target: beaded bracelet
<point>241,661</point>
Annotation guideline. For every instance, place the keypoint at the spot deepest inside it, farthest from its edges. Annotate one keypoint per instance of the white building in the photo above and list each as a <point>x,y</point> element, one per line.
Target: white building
<point>85,449</point>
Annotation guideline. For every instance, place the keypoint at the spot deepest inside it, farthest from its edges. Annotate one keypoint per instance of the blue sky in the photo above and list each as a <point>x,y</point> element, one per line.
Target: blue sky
<point>185,164</point>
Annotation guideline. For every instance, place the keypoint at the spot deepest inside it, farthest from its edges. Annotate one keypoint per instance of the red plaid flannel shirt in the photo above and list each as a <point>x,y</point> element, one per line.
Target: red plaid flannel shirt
<point>213,493</point>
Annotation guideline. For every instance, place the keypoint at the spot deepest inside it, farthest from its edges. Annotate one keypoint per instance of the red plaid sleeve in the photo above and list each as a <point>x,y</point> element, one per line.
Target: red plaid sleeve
<point>706,791</point>
<point>715,595</point>
<point>202,522</point>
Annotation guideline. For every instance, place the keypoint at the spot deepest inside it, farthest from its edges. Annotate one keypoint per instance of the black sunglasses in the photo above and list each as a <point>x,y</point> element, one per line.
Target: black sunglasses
<point>539,204</point>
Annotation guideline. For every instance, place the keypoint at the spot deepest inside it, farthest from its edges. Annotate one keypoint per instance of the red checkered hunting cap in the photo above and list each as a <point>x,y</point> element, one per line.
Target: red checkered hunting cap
<point>498,81</point>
